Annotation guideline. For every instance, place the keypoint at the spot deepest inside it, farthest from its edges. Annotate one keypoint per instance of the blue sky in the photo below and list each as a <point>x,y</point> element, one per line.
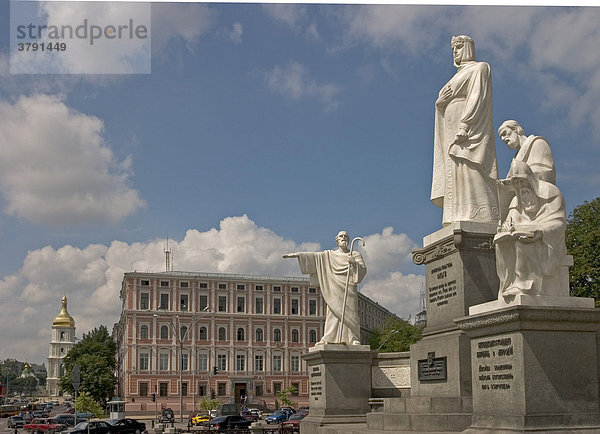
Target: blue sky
<point>264,129</point>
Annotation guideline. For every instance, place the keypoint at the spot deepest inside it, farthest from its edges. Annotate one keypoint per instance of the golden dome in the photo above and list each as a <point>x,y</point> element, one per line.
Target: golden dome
<point>63,319</point>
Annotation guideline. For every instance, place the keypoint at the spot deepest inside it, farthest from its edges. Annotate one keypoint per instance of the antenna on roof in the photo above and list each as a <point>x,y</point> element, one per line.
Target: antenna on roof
<point>168,258</point>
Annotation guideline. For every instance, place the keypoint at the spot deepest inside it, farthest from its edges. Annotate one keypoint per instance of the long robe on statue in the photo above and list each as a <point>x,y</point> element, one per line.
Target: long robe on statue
<point>329,269</point>
<point>464,175</point>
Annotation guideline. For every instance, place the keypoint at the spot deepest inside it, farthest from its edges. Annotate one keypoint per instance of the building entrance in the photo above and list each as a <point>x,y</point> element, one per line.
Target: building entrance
<point>240,393</point>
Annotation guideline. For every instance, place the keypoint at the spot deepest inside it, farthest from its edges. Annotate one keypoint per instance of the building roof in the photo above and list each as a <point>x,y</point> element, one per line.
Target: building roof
<point>63,319</point>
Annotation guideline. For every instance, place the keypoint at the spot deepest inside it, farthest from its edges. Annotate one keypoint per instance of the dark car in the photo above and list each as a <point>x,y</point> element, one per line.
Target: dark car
<point>278,417</point>
<point>166,415</point>
<point>228,422</point>
<point>127,426</point>
<point>295,419</point>
<point>94,427</point>
<point>15,422</point>
<point>66,419</point>
<point>248,415</point>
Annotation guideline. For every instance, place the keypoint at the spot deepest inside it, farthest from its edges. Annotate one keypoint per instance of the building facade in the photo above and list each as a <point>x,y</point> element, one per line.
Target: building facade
<point>62,340</point>
<point>237,337</point>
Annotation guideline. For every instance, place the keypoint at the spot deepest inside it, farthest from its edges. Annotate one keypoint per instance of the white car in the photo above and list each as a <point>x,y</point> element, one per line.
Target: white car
<point>256,412</point>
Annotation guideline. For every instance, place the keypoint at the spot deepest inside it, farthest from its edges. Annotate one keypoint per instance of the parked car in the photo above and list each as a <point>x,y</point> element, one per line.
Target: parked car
<point>66,419</point>
<point>228,422</point>
<point>15,422</point>
<point>256,412</point>
<point>295,419</point>
<point>44,425</point>
<point>166,415</point>
<point>248,415</point>
<point>303,410</point>
<point>127,426</point>
<point>229,410</point>
<point>199,419</point>
<point>94,427</point>
<point>278,417</point>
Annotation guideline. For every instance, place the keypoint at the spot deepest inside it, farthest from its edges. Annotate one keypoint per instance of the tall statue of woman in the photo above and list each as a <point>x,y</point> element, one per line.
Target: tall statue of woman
<point>464,159</point>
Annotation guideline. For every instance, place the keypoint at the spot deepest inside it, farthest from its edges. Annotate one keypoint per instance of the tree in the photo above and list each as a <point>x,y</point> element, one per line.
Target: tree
<point>397,336</point>
<point>583,242</point>
<point>209,404</point>
<point>85,403</point>
<point>285,394</point>
<point>95,356</point>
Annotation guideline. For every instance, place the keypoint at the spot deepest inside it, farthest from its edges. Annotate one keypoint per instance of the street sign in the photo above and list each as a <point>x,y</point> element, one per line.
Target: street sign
<point>76,374</point>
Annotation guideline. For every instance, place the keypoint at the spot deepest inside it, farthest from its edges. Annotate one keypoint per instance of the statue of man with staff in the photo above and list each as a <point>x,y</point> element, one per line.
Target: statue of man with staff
<point>337,272</point>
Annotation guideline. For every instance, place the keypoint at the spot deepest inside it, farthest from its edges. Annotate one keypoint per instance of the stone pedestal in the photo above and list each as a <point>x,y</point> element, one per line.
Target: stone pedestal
<point>534,368</point>
<point>339,385</point>
<point>460,271</point>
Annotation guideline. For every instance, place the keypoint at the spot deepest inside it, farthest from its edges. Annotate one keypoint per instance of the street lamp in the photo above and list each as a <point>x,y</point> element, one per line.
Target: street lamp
<point>176,329</point>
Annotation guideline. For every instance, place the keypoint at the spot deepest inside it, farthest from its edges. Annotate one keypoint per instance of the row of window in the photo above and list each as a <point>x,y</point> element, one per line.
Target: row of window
<point>221,362</point>
<point>222,304</point>
<point>163,388</point>
<point>222,334</point>
<point>239,287</point>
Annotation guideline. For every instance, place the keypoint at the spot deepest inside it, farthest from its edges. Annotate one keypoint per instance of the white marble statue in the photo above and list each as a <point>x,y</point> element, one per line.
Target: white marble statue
<point>530,243</point>
<point>464,161</point>
<point>532,150</point>
<point>333,271</point>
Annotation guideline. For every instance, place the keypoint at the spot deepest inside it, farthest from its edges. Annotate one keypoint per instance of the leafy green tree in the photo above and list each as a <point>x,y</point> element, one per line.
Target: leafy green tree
<point>285,394</point>
<point>85,403</point>
<point>583,242</point>
<point>397,336</point>
<point>95,356</point>
<point>209,404</point>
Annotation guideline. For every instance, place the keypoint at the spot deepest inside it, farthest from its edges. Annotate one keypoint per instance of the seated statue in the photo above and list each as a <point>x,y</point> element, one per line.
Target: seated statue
<point>532,150</point>
<point>530,243</point>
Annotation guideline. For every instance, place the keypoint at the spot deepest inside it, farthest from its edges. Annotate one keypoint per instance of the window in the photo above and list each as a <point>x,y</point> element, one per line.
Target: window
<point>312,336</point>
<point>241,287</point>
<point>202,362</point>
<point>202,335</point>
<point>184,362</point>
<point>183,331</point>
<point>164,332</point>
<point>143,362</point>
<point>277,335</point>
<point>163,389</point>
<point>312,307</point>
<point>62,338</point>
<point>144,332</point>
<point>221,389</point>
<point>258,305</point>
<point>312,290</point>
<point>294,289</point>
<point>222,334</point>
<point>222,303</point>
<point>258,287</point>
<point>276,388</point>
<point>221,362</point>
<point>295,335</point>
<point>183,302</point>
<point>184,284</point>
<point>258,363</point>
<point>184,389</point>
<point>259,390</point>
<point>297,387</point>
<point>203,285</point>
<point>143,389</point>
<point>203,302</point>
<point>241,304</point>
<point>222,286</point>
<point>277,288</point>
<point>259,335</point>
<point>202,389</point>
<point>277,363</point>
<point>240,362</point>
<point>295,363</point>
<point>163,362</point>
<point>144,301</point>
<point>164,301</point>
<point>240,334</point>
<point>164,283</point>
<point>294,306</point>
<point>276,305</point>
<point>144,282</point>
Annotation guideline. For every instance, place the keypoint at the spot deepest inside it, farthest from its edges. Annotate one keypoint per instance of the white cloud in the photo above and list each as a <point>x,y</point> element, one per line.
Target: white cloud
<point>91,277</point>
<point>288,14</point>
<point>186,22</point>
<point>55,167</point>
<point>235,35</point>
<point>293,82</point>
